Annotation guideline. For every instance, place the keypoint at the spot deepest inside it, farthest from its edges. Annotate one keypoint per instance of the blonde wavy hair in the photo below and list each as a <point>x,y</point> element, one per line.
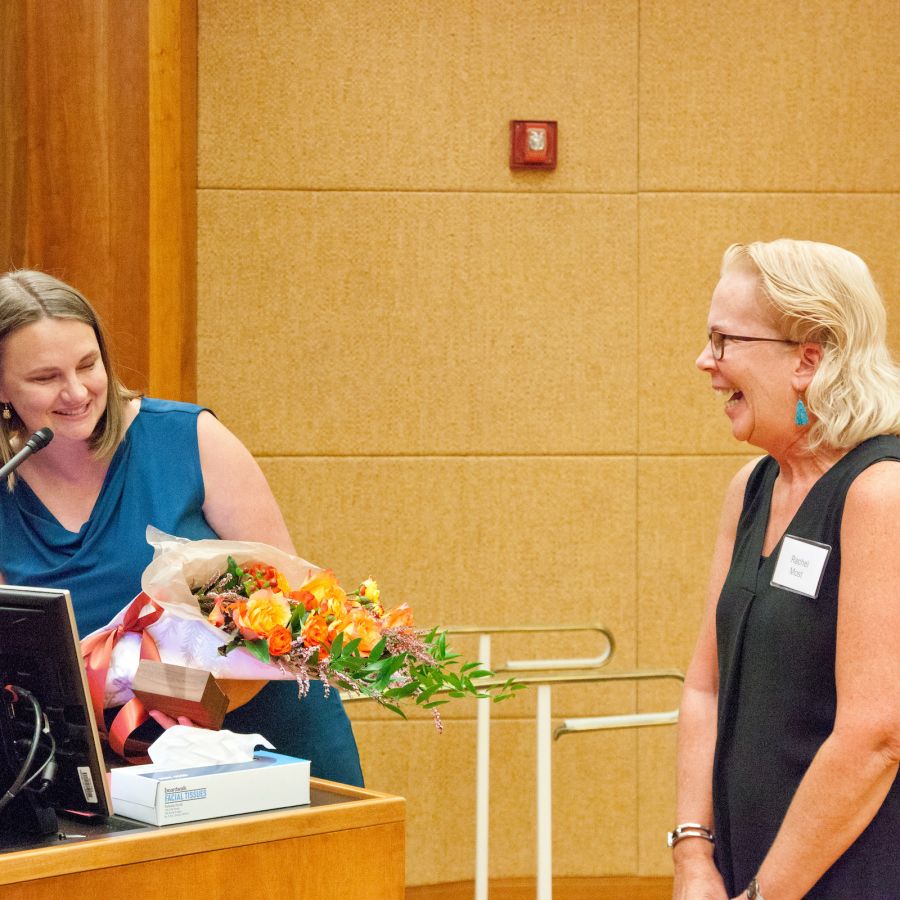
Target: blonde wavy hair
<point>824,294</point>
<point>27,296</point>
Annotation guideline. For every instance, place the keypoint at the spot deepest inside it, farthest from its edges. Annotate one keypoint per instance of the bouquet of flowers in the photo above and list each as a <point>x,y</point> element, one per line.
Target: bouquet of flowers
<point>249,611</point>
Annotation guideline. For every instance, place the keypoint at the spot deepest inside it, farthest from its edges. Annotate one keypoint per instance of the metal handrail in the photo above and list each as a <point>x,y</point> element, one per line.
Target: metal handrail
<point>523,665</point>
<point>624,720</point>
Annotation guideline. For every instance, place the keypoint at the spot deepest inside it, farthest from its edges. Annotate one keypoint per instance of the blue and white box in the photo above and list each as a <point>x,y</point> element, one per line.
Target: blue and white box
<point>161,795</point>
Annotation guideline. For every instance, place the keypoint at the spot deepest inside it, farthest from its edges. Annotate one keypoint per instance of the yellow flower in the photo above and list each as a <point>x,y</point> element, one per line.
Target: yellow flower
<point>369,590</point>
<point>263,612</point>
<point>333,606</point>
<point>324,588</point>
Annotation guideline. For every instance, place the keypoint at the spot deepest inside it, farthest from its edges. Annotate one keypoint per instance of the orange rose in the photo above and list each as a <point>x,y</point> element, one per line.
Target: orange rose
<point>263,612</point>
<point>315,630</point>
<point>324,588</point>
<point>280,641</point>
<point>364,627</point>
<point>398,617</point>
<point>307,598</point>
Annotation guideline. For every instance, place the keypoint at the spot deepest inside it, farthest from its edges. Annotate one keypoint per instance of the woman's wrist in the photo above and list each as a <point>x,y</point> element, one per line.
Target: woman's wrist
<point>691,852</point>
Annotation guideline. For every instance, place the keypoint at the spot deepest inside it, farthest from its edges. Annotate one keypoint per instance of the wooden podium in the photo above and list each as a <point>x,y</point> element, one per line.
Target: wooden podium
<point>348,844</point>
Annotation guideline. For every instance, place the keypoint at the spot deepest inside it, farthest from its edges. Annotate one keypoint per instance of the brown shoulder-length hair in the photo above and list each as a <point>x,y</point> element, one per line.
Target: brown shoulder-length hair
<point>27,296</point>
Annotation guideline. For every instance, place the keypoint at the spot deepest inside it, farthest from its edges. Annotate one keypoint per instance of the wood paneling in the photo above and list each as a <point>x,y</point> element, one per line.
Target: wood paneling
<point>12,134</point>
<point>173,198</point>
<point>86,105</point>
<point>221,857</point>
<point>98,108</point>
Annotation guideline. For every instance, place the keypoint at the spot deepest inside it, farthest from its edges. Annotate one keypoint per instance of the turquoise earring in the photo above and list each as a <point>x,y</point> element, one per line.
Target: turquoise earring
<point>800,415</point>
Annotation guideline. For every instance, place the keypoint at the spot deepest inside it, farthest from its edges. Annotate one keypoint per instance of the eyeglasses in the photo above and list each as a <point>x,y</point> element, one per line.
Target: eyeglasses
<point>717,341</point>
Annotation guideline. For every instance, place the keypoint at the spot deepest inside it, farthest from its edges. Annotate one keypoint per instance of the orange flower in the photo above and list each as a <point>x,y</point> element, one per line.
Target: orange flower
<point>364,627</point>
<point>306,598</point>
<point>263,612</point>
<point>324,587</point>
<point>398,617</point>
<point>315,630</point>
<point>280,641</point>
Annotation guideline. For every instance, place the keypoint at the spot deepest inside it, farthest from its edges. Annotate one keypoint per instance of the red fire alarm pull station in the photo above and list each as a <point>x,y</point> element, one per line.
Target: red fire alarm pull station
<point>532,145</point>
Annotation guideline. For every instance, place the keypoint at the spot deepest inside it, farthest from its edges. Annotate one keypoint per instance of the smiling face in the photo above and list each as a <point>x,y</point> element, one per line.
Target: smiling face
<point>51,373</point>
<point>756,379</point>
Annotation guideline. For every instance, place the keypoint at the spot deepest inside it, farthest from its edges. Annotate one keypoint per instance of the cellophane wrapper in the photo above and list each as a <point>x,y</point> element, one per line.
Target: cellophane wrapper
<point>183,635</point>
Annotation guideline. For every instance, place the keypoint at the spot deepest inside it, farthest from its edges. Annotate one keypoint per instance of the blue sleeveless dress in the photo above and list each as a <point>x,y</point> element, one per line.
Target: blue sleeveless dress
<point>155,478</point>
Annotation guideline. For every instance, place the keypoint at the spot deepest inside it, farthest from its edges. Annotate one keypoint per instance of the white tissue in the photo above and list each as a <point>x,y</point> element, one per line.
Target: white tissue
<point>182,745</point>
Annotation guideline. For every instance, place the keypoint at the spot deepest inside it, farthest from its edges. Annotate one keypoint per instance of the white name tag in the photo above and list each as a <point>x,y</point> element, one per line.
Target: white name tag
<point>800,566</point>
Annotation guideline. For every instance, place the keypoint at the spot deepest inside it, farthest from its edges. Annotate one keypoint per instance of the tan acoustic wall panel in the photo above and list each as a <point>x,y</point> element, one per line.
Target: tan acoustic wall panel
<point>478,385</point>
<point>422,322</point>
<point>768,95</point>
<point>415,94</point>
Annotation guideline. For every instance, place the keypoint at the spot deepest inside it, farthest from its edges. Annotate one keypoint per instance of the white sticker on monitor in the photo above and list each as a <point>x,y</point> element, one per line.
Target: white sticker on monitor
<point>800,566</point>
<point>87,784</point>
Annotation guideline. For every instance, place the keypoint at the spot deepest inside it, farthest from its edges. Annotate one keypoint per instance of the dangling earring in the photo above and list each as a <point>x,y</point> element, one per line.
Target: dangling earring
<point>7,415</point>
<point>800,415</point>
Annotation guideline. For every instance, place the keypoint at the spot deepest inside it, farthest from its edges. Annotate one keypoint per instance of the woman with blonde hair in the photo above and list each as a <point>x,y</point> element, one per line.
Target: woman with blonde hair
<point>789,732</point>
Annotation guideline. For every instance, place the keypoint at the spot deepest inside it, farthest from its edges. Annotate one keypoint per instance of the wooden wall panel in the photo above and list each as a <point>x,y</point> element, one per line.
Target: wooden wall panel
<point>172,199</point>
<point>87,158</point>
<point>13,135</point>
<point>99,169</point>
<point>545,526</point>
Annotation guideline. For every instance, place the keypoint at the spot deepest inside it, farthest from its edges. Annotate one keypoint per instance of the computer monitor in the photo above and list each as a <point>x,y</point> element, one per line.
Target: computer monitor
<point>40,656</point>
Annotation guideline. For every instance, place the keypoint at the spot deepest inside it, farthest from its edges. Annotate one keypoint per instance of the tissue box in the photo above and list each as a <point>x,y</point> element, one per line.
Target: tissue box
<point>162,795</point>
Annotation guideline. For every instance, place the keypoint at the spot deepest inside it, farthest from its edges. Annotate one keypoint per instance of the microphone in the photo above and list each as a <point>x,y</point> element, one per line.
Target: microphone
<point>36,442</point>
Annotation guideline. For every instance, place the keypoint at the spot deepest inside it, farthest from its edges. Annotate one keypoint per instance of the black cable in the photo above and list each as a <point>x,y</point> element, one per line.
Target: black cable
<point>21,779</point>
<point>51,754</point>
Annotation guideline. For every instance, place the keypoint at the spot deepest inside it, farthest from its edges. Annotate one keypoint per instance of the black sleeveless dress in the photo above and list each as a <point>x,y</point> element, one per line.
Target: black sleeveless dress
<point>777,696</point>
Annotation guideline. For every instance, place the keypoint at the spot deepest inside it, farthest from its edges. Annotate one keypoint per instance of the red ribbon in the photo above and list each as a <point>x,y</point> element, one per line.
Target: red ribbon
<point>97,652</point>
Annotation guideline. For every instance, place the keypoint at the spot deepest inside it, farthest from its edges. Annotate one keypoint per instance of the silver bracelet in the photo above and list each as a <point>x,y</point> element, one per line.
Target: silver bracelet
<point>753,892</point>
<point>689,830</point>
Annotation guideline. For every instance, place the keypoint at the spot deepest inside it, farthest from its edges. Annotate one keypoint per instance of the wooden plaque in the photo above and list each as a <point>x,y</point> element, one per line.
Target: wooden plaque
<point>180,691</point>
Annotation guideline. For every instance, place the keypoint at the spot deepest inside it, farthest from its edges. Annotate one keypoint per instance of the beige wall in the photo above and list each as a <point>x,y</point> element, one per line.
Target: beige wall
<point>477,384</point>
